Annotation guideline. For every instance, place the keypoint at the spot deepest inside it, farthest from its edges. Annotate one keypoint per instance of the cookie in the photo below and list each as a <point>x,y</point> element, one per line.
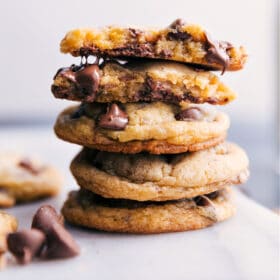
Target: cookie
<point>178,42</point>
<point>135,127</point>
<point>8,223</point>
<point>24,180</point>
<point>90,210</point>
<point>140,81</point>
<point>160,177</point>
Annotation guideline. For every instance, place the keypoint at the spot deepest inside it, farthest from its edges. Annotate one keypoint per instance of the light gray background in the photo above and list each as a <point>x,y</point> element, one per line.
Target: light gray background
<point>31,31</point>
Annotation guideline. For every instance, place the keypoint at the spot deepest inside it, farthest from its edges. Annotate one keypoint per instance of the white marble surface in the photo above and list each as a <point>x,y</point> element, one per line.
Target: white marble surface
<point>245,247</point>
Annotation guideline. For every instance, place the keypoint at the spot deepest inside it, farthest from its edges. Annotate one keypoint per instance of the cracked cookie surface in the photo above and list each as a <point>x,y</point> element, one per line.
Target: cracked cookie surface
<point>181,42</point>
<point>144,177</point>
<point>87,209</point>
<point>153,127</point>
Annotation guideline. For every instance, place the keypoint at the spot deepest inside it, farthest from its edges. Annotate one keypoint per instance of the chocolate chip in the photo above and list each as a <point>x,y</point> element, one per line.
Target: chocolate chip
<point>213,195</point>
<point>203,200</point>
<point>28,165</point>
<point>114,118</point>
<point>178,36</point>
<point>88,80</point>
<point>178,23</point>
<point>190,114</point>
<point>217,52</point>
<point>59,242</point>
<point>45,217</point>
<point>26,244</point>
<point>79,112</point>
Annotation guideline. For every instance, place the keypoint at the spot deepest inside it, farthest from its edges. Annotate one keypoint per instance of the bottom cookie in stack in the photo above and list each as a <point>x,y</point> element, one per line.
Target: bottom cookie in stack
<point>87,209</point>
<point>147,193</point>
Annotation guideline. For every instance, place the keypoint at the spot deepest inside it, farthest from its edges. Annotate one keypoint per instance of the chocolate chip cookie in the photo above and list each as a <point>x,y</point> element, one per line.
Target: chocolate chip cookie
<point>156,127</point>
<point>137,81</point>
<point>87,209</point>
<point>24,179</point>
<point>8,224</point>
<point>179,41</point>
<point>160,177</point>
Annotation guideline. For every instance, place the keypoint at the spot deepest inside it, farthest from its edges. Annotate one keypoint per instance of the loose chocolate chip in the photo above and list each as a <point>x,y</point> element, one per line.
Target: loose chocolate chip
<point>60,244</point>
<point>190,114</point>
<point>26,244</point>
<point>114,118</point>
<point>217,52</point>
<point>28,165</point>
<point>45,217</point>
<point>88,79</point>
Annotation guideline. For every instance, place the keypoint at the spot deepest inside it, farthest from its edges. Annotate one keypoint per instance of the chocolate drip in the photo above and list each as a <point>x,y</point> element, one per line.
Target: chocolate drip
<point>217,52</point>
<point>114,118</point>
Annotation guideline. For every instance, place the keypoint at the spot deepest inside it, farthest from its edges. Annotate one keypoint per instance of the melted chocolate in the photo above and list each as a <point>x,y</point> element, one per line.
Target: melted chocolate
<point>217,52</point>
<point>86,78</point>
<point>114,118</point>
<point>190,114</point>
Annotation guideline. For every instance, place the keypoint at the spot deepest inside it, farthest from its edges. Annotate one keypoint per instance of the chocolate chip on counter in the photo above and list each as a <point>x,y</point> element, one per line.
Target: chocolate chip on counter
<point>26,244</point>
<point>28,165</point>
<point>60,244</point>
<point>217,52</point>
<point>44,219</point>
<point>190,114</point>
<point>114,118</point>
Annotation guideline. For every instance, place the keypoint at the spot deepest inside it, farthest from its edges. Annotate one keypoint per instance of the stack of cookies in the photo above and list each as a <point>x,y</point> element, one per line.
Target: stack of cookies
<point>154,158</point>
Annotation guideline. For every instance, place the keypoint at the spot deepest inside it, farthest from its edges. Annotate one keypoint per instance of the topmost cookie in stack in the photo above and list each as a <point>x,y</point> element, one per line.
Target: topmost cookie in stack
<point>141,95</point>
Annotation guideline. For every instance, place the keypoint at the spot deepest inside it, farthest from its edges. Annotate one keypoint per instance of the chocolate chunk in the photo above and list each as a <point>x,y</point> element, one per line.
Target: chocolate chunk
<point>177,35</point>
<point>203,200</point>
<point>176,24</point>
<point>88,79</point>
<point>59,242</point>
<point>190,114</point>
<point>26,244</point>
<point>114,118</point>
<point>45,217</point>
<point>213,195</point>
<point>85,77</point>
<point>79,112</point>
<point>27,165</point>
<point>217,52</point>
